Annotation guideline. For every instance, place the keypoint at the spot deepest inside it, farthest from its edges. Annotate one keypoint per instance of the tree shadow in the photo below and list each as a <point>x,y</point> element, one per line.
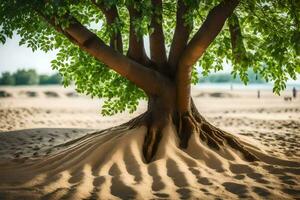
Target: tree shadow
<point>157,184</point>
<point>241,169</point>
<point>178,178</point>
<point>236,188</point>
<point>261,191</point>
<point>132,166</point>
<point>118,188</point>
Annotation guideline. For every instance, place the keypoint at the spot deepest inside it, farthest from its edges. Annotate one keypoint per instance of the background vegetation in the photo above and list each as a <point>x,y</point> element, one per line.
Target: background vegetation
<point>228,78</point>
<point>28,77</point>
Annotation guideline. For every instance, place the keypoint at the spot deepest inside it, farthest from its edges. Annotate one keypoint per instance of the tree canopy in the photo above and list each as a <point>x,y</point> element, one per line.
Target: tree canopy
<point>262,35</point>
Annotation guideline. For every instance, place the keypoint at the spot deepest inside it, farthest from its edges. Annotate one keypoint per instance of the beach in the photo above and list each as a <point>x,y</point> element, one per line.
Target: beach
<point>38,122</point>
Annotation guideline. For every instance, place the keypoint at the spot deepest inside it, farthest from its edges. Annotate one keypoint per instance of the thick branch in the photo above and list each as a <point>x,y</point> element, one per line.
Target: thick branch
<point>136,49</point>
<point>112,17</point>
<point>237,45</point>
<point>148,80</point>
<point>181,35</point>
<point>157,39</point>
<point>197,46</point>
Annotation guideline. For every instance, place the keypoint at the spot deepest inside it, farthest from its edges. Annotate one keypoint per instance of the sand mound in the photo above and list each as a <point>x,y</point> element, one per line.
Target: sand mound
<point>109,165</point>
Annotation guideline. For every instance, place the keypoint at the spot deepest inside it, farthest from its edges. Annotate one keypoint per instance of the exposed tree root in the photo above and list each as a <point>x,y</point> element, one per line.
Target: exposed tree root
<point>186,124</point>
<point>217,139</point>
<point>151,142</point>
<point>153,136</point>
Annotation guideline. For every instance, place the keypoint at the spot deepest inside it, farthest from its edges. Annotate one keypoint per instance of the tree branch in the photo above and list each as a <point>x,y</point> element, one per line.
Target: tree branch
<point>148,80</point>
<point>209,30</point>
<point>136,50</point>
<point>181,36</point>
<point>112,17</point>
<point>237,45</point>
<point>157,39</point>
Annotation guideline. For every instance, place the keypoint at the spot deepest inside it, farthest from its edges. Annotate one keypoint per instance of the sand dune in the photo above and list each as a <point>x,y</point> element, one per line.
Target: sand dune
<point>53,148</point>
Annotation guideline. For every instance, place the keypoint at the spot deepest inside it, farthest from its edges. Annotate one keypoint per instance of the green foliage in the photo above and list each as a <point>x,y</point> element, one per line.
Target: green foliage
<point>269,29</point>
<point>228,78</point>
<point>7,79</point>
<point>26,77</point>
<point>95,79</point>
<point>50,80</point>
<point>270,34</point>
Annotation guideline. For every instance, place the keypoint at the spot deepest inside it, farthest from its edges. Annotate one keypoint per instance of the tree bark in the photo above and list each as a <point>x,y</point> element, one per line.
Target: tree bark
<point>112,16</point>
<point>157,39</point>
<point>136,49</point>
<point>181,36</point>
<point>197,46</point>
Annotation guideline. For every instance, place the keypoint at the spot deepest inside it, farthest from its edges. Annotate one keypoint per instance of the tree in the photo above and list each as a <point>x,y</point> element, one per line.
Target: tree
<point>26,77</point>
<point>7,79</point>
<point>53,79</point>
<point>101,47</point>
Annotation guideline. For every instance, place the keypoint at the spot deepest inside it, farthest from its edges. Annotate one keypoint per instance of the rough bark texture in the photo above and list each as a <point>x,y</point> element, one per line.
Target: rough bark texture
<point>196,47</point>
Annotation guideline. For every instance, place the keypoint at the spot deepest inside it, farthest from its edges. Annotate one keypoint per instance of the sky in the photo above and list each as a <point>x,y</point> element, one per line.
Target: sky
<point>13,57</point>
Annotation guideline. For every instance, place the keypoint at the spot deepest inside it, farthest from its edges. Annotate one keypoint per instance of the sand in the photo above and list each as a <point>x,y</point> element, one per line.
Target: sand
<point>52,147</point>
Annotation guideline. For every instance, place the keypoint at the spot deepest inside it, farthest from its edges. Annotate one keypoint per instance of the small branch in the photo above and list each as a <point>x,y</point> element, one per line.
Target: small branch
<point>136,49</point>
<point>157,39</point>
<point>181,36</point>
<point>237,44</point>
<point>209,30</point>
<point>112,17</point>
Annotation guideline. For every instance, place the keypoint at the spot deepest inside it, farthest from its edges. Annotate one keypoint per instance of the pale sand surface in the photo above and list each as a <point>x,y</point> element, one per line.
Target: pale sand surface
<point>49,149</point>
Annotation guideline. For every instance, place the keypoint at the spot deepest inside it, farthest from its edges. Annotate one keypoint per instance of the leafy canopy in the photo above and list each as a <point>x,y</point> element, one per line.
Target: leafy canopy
<point>268,44</point>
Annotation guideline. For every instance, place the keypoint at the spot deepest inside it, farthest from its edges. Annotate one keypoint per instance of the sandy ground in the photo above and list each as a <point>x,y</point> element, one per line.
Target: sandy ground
<point>50,123</point>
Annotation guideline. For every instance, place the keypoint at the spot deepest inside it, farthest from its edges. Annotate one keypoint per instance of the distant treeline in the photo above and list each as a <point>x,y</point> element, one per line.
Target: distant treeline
<point>228,78</point>
<point>28,77</point>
